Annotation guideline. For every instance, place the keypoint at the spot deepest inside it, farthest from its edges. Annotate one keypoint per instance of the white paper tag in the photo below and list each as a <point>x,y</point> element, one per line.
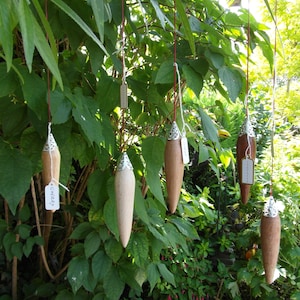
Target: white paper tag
<point>51,196</point>
<point>185,150</point>
<point>247,171</point>
<point>123,95</point>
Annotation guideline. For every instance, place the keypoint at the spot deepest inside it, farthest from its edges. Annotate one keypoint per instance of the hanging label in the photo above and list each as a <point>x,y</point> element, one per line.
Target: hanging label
<point>247,171</point>
<point>185,150</point>
<point>123,95</point>
<point>51,196</point>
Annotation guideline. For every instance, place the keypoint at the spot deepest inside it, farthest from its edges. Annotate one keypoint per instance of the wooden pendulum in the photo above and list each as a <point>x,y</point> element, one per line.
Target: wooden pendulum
<point>125,190</point>
<point>270,230</point>
<point>51,172</point>
<point>174,167</point>
<point>246,152</point>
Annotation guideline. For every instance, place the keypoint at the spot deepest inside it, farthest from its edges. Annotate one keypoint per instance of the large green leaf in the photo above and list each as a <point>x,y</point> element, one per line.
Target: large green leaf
<point>232,79</point>
<point>101,265</point>
<point>160,15</point>
<point>165,73</point>
<point>209,128</point>
<point>153,275</point>
<point>8,82</point>
<point>46,53</point>
<point>166,274</point>
<point>98,10</point>
<point>194,79</point>
<point>110,217</point>
<point>15,176</point>
<point>139,248</point>
<point>91,243</point>
<point>153,153</point>
<point>78,271</point>
<point>97,188</point>
<point>61,107</point>
<point>113,285</point>
<point>73,15</point>
<point>186,25</point>
<point>113,249</point>
<point>185,227</point>
<point>27,31</point>
<point>7,24</point>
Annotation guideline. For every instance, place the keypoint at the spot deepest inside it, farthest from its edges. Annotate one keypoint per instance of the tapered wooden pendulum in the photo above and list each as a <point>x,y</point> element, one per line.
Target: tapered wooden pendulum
<point>174,167</point>
<point>125,189</point>
<point>246,152</point>
<point>270,230</point>
<point>51,172</point>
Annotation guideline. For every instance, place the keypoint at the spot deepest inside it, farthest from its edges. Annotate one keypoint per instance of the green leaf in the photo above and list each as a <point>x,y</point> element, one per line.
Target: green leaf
<point>194,79</point>
<point>24,230</point>
<point>46,53</point>
<point>101,265</point>
<point>153,153</point>
<point>8,82</point>
<point>232,79</point>
<point>209,128</point>
<point>61,107</point>
<point>27,247</point>
<point>24,213</point>
<point>216,58</point>
<point>186,25</point>
<point>17,250</point>
<point>110,217</point>
<point>7,24</point>
<point>78,271</point>
<point>166,274</point>
<point>140,205</point>
<point>153,275</point>
<point>113,285</point>
<point>8,240</point>
<point>98,10</point>
<point>15,176</point>
<point>234,289</point>
<point>85,116</point>
<point>138,246</point>
<point>160,15</point>
<point>27,31</point>
<point>113,249</point>
<point>203,153</point>
<point>91,243</point>
<point>96,188</point>
<point>165,73</point>
<point>185,227</point>
<point>81,231</point>
<point>35,91</point>
<point>73,15</point>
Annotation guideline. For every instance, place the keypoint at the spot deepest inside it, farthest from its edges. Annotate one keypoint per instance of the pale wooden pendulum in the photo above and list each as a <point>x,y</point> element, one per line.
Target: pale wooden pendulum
<point>125,191</point>
<point>270,229</point>
<point>246,152</point>
<point>174,167</point>
<point>51,172</point>
<point>50,177</point>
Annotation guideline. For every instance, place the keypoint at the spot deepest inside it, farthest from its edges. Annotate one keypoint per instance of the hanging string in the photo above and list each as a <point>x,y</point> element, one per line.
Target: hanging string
<point>273,102</point>
<point>123,121</point>
<point>247,63</point>
<point>175,61</point>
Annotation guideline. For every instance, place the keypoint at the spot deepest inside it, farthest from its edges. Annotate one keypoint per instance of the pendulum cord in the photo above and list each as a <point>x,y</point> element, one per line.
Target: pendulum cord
<point>270,226</point>
<point>246,143</point>
<point>176,150</point>
<point>124,177</point>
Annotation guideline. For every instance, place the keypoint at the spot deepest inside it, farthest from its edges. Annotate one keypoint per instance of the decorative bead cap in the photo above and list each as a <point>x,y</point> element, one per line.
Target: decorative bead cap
<point>50,144</point>
<point>270,209</point>
<point>247,128</point>
<point>174,133</point>
<point>124,163</point>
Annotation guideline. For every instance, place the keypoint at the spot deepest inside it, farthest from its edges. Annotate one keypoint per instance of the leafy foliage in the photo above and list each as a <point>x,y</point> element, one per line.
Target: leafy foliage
<point>199,249</point>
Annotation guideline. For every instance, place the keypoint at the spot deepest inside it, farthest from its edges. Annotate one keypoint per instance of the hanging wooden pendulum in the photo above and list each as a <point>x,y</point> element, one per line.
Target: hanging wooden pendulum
<point>246,143</point>
<point>246,152</point>
<point>174,167</point>
<point>176,150</point>
<point>124,178</point>
<point>270,229</point>
<point>51,172</point>
<point>125,190</point>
